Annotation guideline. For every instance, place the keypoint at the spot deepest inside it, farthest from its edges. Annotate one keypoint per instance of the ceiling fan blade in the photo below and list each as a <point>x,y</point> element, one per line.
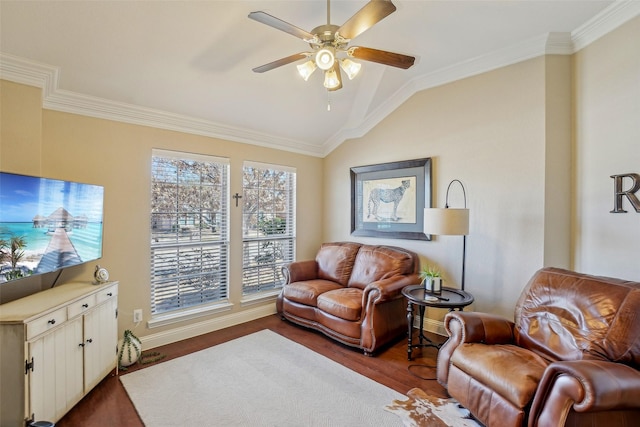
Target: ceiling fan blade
<point>372,13</point>
<point>281,25</point>
<point>280,62</point>
<point>382,57</point>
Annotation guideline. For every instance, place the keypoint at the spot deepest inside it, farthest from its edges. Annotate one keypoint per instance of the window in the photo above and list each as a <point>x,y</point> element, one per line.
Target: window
<point>189,232</point>
<point>268,225</point>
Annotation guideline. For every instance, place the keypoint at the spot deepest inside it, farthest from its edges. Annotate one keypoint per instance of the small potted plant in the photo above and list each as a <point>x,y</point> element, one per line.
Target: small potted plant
<point>130,350</point>
<point>431,280</point>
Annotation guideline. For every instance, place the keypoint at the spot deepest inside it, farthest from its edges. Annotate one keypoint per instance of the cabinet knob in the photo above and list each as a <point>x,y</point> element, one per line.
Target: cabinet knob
<point>52,322</point>
<point>85,305</point>
<point>90,340</point>
<point>110,294</point>
<point>81,344</point>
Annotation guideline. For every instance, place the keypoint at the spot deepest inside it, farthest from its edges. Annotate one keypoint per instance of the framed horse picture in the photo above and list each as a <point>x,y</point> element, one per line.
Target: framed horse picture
<point>388,199</point>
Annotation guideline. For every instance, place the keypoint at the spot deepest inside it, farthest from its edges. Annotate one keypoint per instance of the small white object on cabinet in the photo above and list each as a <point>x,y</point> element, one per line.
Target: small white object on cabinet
<point>55,345</point>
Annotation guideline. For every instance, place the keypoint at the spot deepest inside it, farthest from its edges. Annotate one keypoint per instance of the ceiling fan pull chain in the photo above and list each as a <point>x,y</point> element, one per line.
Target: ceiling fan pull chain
<point>328,100</point>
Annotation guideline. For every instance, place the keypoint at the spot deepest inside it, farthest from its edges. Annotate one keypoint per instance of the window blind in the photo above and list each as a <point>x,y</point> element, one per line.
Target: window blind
<point>189,230</point>
<point>268,222</point>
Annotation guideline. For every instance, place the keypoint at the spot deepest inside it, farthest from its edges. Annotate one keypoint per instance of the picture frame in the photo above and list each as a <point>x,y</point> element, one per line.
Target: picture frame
<point>388,199</point>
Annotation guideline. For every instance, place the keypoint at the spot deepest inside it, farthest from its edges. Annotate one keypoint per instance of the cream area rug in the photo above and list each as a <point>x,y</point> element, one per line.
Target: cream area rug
<point>421,409</point>
<point>262,379</point>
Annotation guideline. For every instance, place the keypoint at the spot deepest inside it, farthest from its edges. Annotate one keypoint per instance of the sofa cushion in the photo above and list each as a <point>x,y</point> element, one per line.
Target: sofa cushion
<point>307,291</point>
<point>374,263</point>
<point>563,315</point>
<point>513,372</point>
<point>345,303</point>
<point>335,261</point>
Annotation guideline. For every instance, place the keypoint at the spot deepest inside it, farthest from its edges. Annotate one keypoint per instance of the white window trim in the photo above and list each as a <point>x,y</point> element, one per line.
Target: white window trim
<point>260,165</point>
<point>254,299</point>
<point>180,155</point>
<point>173,317</point>
<point>271,294</point>
<point>176,316</point>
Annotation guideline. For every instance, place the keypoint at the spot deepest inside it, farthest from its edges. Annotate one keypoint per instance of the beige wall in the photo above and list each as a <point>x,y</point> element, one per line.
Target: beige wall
<point>557,161</point>
<point>534,144</point>
<point>20,128</point>
<point>118,156</point>
<point>607,142</point>
<point>491,132</point>
<point>20,148</point>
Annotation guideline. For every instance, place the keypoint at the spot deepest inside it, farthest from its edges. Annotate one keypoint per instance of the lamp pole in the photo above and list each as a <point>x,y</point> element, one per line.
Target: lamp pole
<point>451,222</point>
<point>464,258</point>
<point>464,237</point>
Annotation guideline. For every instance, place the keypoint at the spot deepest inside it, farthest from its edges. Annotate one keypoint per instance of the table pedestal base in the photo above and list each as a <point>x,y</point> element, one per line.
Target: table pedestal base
<point>451,299</point>
<point>423,340</point>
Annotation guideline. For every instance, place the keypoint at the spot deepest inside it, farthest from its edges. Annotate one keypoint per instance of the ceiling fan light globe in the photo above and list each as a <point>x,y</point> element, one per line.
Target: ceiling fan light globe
<point>350,67</point>
<point>325,59</point>
<point>305,70</point>
<point>331,80</point>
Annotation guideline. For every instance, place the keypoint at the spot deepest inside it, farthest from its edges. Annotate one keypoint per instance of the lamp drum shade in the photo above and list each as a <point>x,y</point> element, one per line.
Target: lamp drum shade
<point>446,221</point>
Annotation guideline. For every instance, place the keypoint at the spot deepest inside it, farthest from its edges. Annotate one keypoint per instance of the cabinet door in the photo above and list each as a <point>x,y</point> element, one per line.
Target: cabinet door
<point>101,342</point>
<point>55,382</point>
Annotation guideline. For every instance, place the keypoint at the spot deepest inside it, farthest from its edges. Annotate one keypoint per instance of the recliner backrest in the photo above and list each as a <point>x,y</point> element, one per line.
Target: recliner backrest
<point>564,315</point>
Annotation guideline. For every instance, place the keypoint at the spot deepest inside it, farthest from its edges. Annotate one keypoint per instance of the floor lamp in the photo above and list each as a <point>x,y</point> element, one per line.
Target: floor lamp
<point>449,222</point>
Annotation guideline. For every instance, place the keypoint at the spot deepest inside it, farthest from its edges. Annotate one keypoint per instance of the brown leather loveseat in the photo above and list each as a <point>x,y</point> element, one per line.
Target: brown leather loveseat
<point>351,292</point>
<point>571,357</point>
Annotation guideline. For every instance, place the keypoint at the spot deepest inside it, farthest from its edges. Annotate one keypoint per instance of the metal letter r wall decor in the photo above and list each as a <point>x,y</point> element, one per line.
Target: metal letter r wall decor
<point>619,193</point>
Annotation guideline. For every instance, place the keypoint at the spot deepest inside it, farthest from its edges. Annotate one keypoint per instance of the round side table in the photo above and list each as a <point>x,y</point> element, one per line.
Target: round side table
<point>453,299</point>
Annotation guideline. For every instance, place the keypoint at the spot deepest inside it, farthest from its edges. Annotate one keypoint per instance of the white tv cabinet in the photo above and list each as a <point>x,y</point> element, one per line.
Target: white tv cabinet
<point>55,346</point>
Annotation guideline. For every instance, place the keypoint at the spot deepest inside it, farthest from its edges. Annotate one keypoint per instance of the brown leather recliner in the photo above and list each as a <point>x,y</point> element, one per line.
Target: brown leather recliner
<point>351,292</point>
<point>571,357</point>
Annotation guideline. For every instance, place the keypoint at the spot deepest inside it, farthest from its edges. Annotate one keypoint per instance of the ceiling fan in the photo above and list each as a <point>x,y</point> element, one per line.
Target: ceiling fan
<point>330,44</point>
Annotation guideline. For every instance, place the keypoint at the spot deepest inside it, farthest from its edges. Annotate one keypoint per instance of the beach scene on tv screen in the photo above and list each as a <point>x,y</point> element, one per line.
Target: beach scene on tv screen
<point>47,224</point>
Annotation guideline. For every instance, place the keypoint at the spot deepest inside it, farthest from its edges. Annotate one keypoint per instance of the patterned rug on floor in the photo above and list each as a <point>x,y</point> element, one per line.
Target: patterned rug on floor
<point>261,379</point>
<point>423,410</point>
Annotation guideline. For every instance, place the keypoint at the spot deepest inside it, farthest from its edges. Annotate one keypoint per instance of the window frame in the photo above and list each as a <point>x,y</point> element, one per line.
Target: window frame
<point>205,240</point>
<point>274,244</point>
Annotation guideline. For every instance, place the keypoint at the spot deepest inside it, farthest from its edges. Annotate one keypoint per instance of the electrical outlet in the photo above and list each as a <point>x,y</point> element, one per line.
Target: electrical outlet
<point>137,315</point>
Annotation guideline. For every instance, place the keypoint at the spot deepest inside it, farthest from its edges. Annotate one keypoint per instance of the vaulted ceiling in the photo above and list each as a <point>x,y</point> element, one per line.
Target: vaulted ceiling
<point>187,65</point>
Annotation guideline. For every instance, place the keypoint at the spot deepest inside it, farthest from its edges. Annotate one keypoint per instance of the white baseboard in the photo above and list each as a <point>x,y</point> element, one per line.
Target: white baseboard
<point>199,328</point>
<point>431,325</point>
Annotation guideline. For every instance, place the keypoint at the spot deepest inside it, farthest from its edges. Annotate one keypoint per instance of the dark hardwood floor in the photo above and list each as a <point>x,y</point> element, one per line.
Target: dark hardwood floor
<point>108,404</point>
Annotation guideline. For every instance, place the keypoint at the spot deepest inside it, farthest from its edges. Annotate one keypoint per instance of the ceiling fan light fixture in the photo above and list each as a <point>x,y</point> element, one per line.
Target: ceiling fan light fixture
<point>350,67</point>
<point>305,70</point>
<point>329,41</point>
<point>325,59</point>
<point>331,80</point>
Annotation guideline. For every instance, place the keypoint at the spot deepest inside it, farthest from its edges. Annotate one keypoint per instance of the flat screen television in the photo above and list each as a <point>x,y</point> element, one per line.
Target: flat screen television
<point>47,225</point>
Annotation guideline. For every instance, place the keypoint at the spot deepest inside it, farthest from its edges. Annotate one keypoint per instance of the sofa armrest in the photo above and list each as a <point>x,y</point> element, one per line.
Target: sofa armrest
<point>471,327</point>
<point>584,386</point>
<point>300,270</point>
<point>387,289</point>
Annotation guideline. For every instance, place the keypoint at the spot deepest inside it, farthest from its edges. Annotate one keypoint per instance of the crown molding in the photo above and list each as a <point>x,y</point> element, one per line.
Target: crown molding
<point>606,21</point>
<point>32,73</point>
<point>610,18</point>
<point>75,103</point>
<point>24,71</point>
<point>546,44</point>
